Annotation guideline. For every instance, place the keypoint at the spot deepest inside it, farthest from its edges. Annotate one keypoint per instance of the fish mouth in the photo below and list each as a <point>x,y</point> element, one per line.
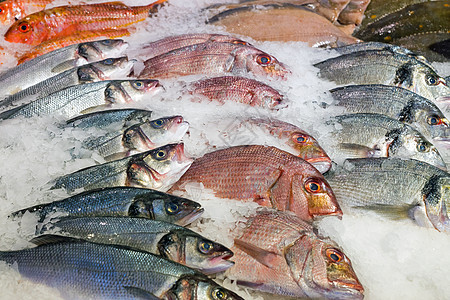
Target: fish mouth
<point>194,215</point>
<point>322,164</point>
<point>354,288</point>
<point>219,263</point>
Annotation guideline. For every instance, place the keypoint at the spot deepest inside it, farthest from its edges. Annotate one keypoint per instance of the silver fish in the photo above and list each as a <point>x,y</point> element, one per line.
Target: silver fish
<point>167,240</point>
<point>375,135</point>
<point>120,202</point>
<point>155,169</point>
<point>48,65</point>
<point>78,98</point>
<point>110,68</point>
<point>394,187</point>
<point>75,267</point>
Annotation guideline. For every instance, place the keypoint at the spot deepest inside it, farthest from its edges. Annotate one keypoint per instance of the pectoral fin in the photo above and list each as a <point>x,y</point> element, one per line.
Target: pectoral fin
<point>393,212</point>
<point>264,257</point>
<point>139,293</point>
<point>356,151</point>
<point>64,66</point>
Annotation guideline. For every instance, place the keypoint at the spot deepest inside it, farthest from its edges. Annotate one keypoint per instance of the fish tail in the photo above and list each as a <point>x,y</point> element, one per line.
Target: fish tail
<point>153,7</point>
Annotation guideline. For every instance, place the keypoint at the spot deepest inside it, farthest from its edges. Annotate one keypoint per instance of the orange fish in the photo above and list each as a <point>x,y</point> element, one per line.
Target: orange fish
<point>12,10</point>
<point>79,37</point>
<point>66,20</point>
<point>266,175</point>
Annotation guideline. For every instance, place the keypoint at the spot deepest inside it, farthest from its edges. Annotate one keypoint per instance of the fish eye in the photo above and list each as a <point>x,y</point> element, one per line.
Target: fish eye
<point>108,61</point>
<point>432,80</point>
<point>1,10</point>
<point>219,294</point>
<point>157,123</point>
<point>423,147</point>
<point>300,138</point>
<point>24,27</point>
<point>313,186</point>
<point>263,59</point>
<point>161,154</point>
<point>334,255</point>
<point>137,84</point>
<point>434,120</point>
<point>205,247</point>
<point>172,208</point>
<point>106,42</point>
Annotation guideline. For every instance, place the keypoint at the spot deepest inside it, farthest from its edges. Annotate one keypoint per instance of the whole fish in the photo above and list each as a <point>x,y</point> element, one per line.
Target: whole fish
<point>237,89</point>
<point>75,267</point>
<point>396,103</point>
<point>110,68</point>
<point>154,169</point>
<point>266,175</point>
<point>65,20</point>
<point>78,98</point>
<point>78,38</point>
<point>138,138</point>
<point>385,67</point>
<point>120,202</point>
<point>213,59</point>
<point>294,22</point>
<point>58,61</point>
<point>278,253</point>
<point>374,135</point>
<point>167,240</point>
<point>12,10</point>
<point>179,41</point>
<point>394,187</point>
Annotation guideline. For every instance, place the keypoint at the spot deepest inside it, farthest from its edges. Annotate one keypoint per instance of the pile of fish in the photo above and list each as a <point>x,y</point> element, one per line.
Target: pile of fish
<point>122,231</point>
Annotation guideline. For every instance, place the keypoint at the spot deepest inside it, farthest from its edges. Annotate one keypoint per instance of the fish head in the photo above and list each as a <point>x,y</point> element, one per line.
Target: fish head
<point>436,196</point>
<point>155,133</point>
<point>309,149</point>
<point>128,91</point>
<point>164,207</point>
<point>30,30</point>
<point>250,59</point>
<point>198,287</point>
<point>322,269</point>
<point>109,68</point>
<point>428,83</point>
<point>98,50</point>
<point>195,252</point>
<point>268,97</point>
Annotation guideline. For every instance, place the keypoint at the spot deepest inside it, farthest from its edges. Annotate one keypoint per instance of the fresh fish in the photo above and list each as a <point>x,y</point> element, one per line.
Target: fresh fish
<point>294,22</point>
<point>120,202</point>
<point>167,240</point>
<point>55,62</point>
<point>213,59</point>
<point>110,68</point>
<point>74,268</point>
<point>179,41</point>
<point>12,10</point>
<point>153,169</point>
<point>138,138</point>
<point>375,135</point>
<point>79,38</point>
<point>78,98</point>
<point>278,253</point>
<point>65,20</point>
<point>385,67</point>
<point>395,188</point>
<point>266,175</point>
<point>238,89</point>
<point>396,103</point>
<point>353,13</point>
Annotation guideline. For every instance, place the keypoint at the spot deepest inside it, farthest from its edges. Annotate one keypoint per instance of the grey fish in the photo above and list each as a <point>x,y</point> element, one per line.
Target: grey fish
<point>78,98</point>
<point>154,169</point>
<point>110,68</point>
<point>167,240</point>
<point>48,65</point>
<point>74,268</point>
<point>375,135</point>
<point>394,187</point>
<point>396,103</point>
<point>385,67</point>
<point>120,202</point>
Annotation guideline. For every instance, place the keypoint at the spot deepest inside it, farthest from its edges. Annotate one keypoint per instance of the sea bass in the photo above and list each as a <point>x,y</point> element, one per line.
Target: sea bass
<point>237,89</point>
<point>75,99</point>
<point>74,269</point>
<point>167,240</point>
<point>266,175</point>
<point>120,202</point>
<point>110,68</point>
<point>397,103</point>
<point>213,58</point>
<point>278,253</point>
<point>394,187</point>
<point>375,135</point>
<point>385,67</point>
<point>154,169</point>
<point>65,20</point>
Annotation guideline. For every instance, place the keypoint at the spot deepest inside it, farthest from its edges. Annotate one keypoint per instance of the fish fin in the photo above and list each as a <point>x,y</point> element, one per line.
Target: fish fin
<point>356,151</point>
<point>93,109</point>
<point>116,156</point>
<point>139,293</point>
<point>9,113</point>
<point>393,212</point>
<point>252,285</point>
<point>262,256</point>
<point>64,66</point>
<point>53,239</point>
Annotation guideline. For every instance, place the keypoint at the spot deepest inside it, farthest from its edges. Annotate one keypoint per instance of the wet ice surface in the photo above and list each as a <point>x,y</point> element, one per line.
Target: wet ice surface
<point>393,259</point>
